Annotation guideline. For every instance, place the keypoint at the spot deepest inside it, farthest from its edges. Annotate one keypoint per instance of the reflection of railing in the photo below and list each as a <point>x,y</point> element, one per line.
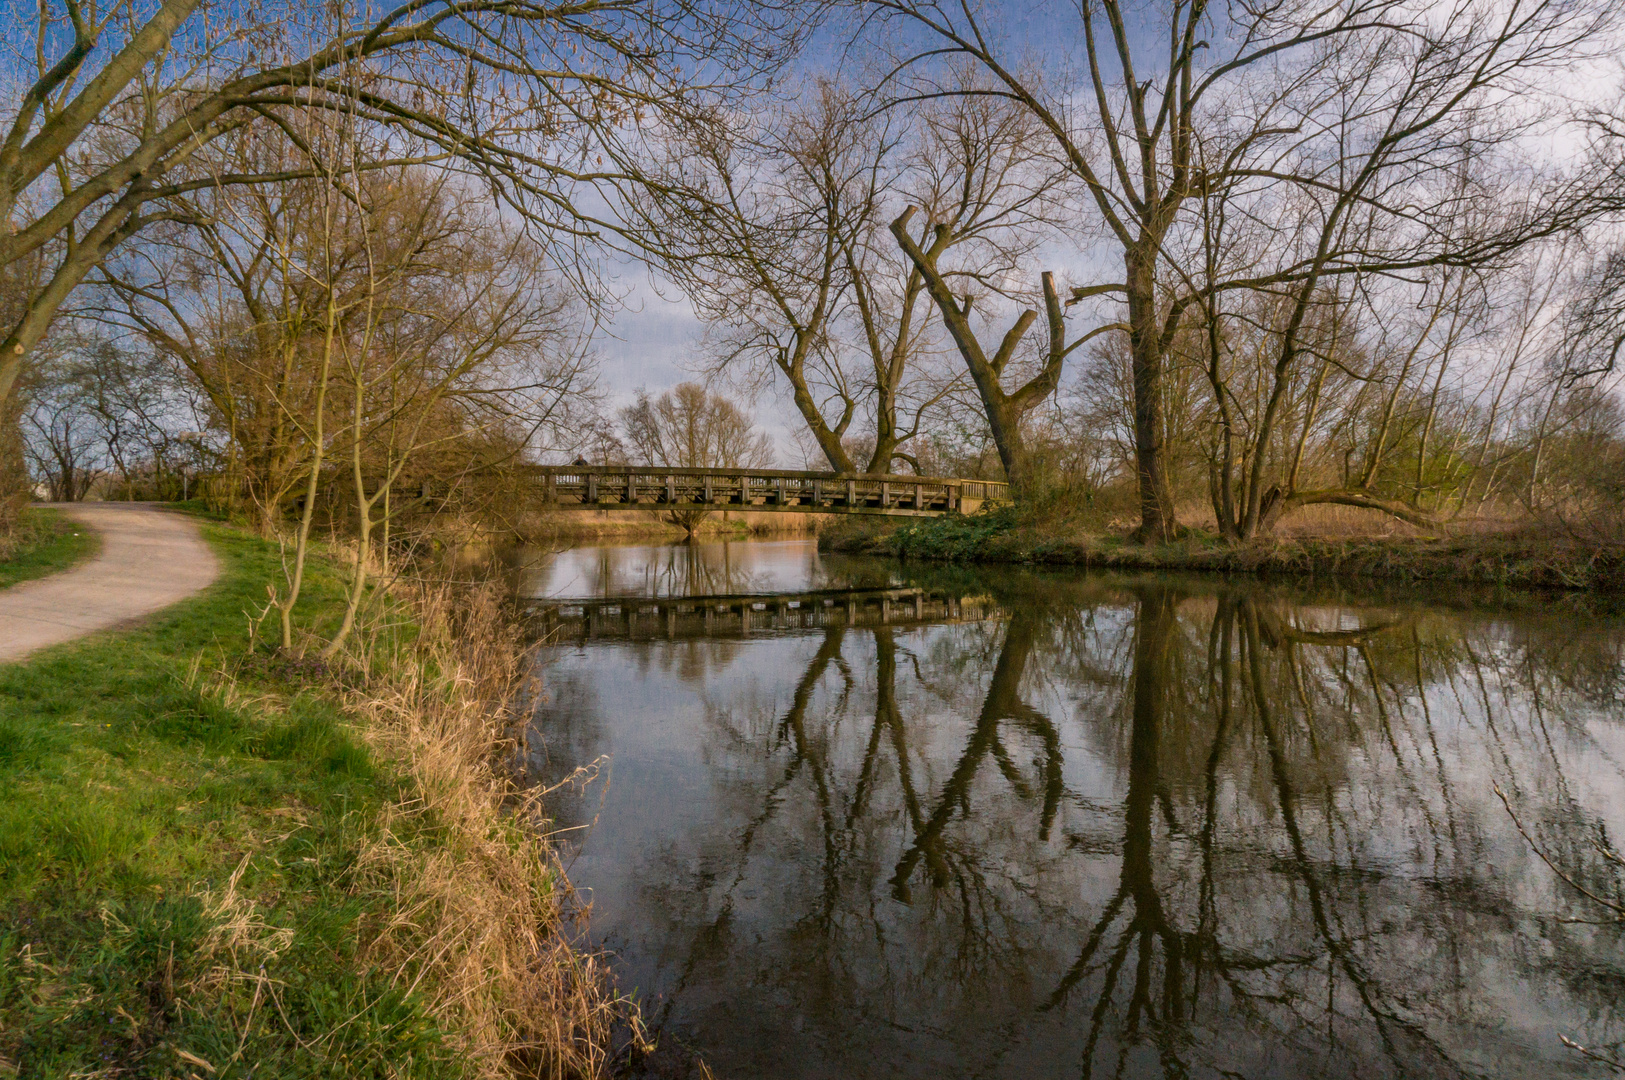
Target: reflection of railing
<point>592,487</point>
<point>726,616</point>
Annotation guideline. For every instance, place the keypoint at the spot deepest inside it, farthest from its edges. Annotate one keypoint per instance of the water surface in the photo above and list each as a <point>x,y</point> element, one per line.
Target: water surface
<point>1052,825</point>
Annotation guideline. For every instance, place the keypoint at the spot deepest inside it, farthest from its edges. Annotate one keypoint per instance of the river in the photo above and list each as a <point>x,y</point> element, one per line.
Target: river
<point>855,819</point>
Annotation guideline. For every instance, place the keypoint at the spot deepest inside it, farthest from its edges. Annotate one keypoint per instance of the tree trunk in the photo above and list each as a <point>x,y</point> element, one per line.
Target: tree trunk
<point>829,439</point>
<point>1004,411</point>
<point>1157,521</point>
<point>1275,504</point>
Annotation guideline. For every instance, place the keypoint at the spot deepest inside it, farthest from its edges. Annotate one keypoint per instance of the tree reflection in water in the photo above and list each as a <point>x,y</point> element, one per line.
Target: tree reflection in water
<point>1127,829</point>
<point>699,567</point>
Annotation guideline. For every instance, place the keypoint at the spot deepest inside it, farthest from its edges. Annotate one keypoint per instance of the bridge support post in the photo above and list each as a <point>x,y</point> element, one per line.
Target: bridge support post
<point>919,496</point>
<point>592,487</point>
<point>708,497</point>
<point>885,496</point>
<point>851,493</point>
<point>671,489</point>
<point>551,493</point>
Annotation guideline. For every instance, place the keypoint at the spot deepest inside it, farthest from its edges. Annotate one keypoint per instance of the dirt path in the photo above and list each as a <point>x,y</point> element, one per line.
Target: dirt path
<point>150,558</point>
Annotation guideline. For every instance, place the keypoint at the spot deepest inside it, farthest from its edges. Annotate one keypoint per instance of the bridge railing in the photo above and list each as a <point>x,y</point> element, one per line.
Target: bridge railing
<point>603,486</point>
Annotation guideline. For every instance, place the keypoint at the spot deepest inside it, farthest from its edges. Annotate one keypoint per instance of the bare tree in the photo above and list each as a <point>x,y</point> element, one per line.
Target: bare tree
<point>237,300</point>
<point>985,192</point>
<point>63,441</point>
<point>1351,106</point>
<point>689,427</point>
<point>538,99</point>
<point>454,331</point>
<point>375,317</point>
<point>140,407</point>
<point>991,191</point>
<point>1596,320</point>
<point>793,266</point>
<point>1295,258</point>
<point>766,262</point>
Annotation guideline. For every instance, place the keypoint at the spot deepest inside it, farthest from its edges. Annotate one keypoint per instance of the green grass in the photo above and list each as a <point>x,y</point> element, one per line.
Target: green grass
<point>46,542</point>
<point>132,794</point>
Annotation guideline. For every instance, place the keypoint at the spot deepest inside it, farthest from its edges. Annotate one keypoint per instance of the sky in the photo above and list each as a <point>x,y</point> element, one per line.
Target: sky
<point>655,340</point>
<point>650,342</point>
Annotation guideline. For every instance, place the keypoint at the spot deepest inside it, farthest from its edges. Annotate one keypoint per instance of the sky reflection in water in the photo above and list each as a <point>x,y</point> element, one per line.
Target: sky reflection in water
<point>1118,827</point>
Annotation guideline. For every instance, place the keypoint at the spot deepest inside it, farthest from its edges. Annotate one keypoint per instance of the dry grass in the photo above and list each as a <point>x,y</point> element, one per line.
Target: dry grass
<point>1324,521</point>
<point>471,905</point>
<point>477,916</point>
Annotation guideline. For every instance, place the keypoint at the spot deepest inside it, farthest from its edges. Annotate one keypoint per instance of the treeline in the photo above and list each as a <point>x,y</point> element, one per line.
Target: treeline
<point>1218,264</point>
<point>1305,256</point>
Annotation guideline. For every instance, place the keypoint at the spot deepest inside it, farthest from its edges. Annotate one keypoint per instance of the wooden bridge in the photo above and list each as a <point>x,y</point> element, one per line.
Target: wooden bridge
<point>608,487</point>
<point>645,618</point>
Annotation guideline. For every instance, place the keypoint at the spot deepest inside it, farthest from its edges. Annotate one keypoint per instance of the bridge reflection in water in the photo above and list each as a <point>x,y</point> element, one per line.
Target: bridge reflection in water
<point>742,615</point>
<point>1102,827</point>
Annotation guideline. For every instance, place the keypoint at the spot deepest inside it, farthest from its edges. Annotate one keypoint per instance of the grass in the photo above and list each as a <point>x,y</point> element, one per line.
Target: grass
<point>44,542</point>
<point>1528,558</point>
<point>216,865</point>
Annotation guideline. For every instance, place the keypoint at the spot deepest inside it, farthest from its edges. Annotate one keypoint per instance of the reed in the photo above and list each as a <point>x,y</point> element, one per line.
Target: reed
<point>478,918</point>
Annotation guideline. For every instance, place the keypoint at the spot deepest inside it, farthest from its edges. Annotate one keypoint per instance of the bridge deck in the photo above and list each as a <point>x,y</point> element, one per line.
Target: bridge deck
<point>605,487</point>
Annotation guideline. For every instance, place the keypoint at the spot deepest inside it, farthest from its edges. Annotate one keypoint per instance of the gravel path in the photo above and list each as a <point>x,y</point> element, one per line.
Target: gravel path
<point>150,558</point>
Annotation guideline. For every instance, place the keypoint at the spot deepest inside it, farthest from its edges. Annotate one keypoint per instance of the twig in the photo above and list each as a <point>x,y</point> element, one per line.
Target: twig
<point>1576,886</point>
<point>1614,1063</point>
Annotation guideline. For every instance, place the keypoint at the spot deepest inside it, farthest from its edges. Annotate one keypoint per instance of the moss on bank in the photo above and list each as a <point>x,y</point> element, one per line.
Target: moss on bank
<point>216,864</point>
<point>1523,559</point>
<point>44,542</point>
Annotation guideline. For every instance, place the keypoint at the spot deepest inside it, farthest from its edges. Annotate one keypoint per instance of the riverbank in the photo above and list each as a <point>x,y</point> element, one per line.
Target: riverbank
<point>44,542</point>
<point>216,862</point>
<point>1512,559</point>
